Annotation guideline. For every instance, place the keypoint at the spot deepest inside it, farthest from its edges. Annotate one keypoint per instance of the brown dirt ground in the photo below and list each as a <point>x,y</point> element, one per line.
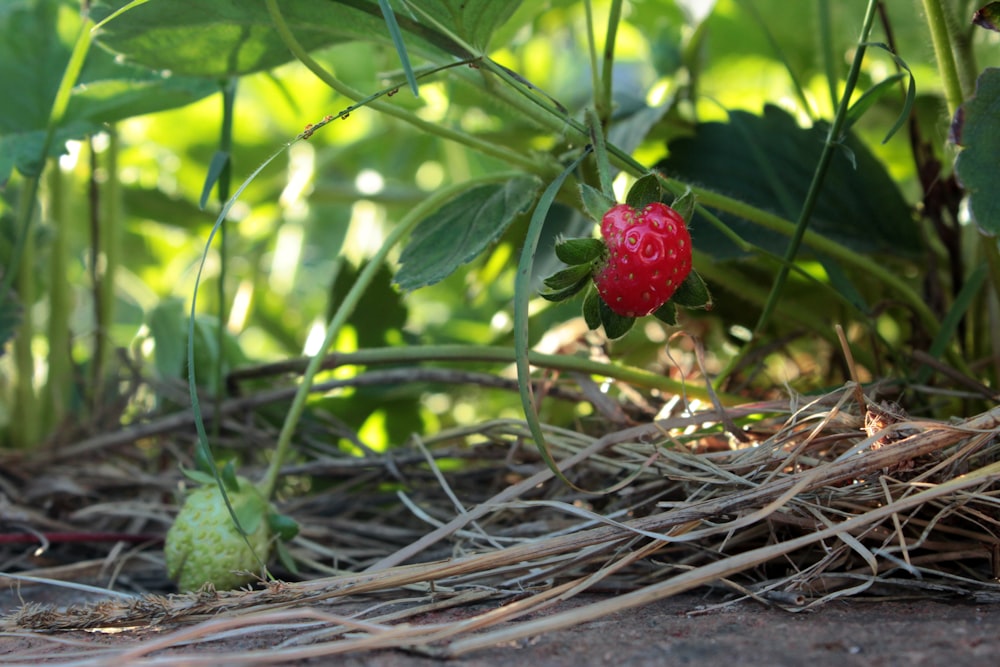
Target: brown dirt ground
<point>689,629</point>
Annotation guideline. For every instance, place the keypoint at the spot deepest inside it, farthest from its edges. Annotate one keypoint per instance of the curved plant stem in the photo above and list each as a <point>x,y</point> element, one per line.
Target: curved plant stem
<point>59,381</point>
<point>346,308</point>
<point>530,164</point>
<point>938,24</point>
<point>26,415</point>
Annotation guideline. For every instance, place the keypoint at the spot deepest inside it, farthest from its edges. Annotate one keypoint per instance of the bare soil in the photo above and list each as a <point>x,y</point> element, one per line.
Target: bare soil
<point>689,629</point>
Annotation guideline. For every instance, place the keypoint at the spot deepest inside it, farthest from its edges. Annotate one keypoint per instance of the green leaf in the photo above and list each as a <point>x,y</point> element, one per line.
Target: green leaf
<point>595,202</point>
<point>869,98</point>
<point>644,192</point>
<point>592,309</point>
<point>568,277</point>
<point>667,313</point>
<point>36,41</point>
<point>685,205</point>
<point>977,129</point>
<point>768,161</point>
<point>580,251</point>
<point>693,293</point>
<point>472,20</point>
<point>282,525</point>
<point>461,230</point>
<point>911,91</point>
<point>198,476</point>
<point>221,39</point>
<point>615,325</point>
<point>375,326</point>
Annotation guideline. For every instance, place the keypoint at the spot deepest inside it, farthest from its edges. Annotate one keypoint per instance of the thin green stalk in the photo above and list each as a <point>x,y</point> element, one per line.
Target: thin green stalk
<point>819,175</point>
<point>595,79</point>
<point>346,308</point>
<point>528,163</point>
<point>938,24</point>
<point>605,96</point>
<point>60,377</point>
<point>112,227</point>
<point>26,415</point>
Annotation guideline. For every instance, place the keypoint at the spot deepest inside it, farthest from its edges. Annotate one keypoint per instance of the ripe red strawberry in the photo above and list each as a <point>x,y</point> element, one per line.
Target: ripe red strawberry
<point>649,256</point>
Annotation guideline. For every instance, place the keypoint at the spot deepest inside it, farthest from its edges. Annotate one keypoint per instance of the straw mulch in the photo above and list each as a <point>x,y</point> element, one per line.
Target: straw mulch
<point>806,501</point>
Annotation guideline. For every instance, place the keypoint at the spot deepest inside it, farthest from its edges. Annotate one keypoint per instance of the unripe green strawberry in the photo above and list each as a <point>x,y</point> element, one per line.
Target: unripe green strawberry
<point>204,545</point>
<point>649,256</point>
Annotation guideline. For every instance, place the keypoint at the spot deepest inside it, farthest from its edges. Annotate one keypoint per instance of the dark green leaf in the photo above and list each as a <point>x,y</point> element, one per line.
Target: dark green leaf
<point>375,326</point>
<point>693,293</point>
<point>222,39</point>
<point>568,277</point>
<point>768,161</point>
<point>472,20</point>
<point>684,205</point>
<point>461,230</point>
<point>977,129</point>
<point>564,293</point>
<point>198,476</point>
<point>644,192</point>
<point>595,202</point>
<point>667,313</point>
<point>592,309</point>
<point>615,325</point>
<point>580,251</point>
<point>988,17</point>
<point>282,525</point>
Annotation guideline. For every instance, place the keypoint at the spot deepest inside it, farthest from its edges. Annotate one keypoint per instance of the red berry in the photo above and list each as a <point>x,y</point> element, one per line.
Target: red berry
<point>649,256</point>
